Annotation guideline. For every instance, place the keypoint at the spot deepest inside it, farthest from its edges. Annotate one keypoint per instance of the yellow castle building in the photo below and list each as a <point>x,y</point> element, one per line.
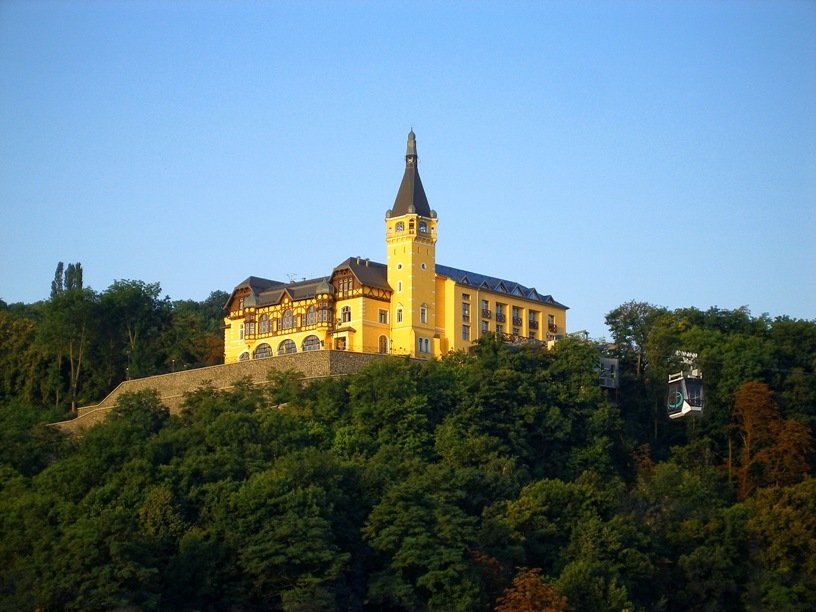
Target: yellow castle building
<point>410,305</point>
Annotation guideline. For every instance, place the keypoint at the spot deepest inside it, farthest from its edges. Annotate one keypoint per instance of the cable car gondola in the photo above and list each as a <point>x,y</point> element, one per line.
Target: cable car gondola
<point>685,396</point>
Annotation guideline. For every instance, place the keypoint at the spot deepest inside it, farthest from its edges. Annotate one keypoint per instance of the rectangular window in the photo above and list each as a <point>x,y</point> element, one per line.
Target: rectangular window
<point>499,328</point>
<point>532,320</point>
<point>500,313</point>
<point>516,331</point>
<point>399,315</point>
<point>423,314</point>
<point>465,297</point>
<point>485,327</point>
<point>383,314</point>
<point>485,309</point>
<point>466,312</point>
<point>466,333</point>
<point>551,323</point>
<point>517,316</point>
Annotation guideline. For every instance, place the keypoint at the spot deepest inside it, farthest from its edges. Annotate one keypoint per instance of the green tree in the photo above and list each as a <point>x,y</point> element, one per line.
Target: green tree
<point>135,316</point>
<point>68,327</point>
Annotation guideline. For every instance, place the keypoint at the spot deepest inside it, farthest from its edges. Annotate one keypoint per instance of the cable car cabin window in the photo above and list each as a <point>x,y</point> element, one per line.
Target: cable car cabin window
<point>675,398</point>
<point>694,392</point>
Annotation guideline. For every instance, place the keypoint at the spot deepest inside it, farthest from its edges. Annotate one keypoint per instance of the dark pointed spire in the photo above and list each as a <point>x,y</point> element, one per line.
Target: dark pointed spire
<point>410,153</point>
<point>411,197</point>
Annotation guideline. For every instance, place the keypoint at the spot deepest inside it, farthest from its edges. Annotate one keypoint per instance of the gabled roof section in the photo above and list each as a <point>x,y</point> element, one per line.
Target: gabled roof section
<point>256,286</point>
<point>368,273</point>
<point>411,198</point>
<point>301,290</point>
<point>496,285</point>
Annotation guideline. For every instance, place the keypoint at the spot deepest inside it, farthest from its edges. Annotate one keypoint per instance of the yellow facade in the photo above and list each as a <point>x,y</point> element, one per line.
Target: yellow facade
<point>409,306</point>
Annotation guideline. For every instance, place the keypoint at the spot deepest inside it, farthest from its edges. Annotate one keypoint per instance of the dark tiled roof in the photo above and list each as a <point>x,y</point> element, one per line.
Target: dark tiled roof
<point>256,285</point>
<point>265,291</point>
<point>301,290</point>
<point>369,273</point>
<point>497,285</point>
<point>411,198</point>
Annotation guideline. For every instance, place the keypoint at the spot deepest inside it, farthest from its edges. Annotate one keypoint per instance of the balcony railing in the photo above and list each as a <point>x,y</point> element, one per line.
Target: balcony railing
<point>517,321</point>
<point>486,313</point>
<point>500,317</point>
<point>533,324</point>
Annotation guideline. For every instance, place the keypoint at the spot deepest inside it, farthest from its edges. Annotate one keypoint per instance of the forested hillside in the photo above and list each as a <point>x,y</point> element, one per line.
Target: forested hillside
<point>506,479</point>
<point>74,348</point>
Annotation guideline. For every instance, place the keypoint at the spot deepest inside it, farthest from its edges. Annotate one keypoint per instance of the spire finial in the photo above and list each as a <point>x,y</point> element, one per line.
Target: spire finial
<point>411,154</point>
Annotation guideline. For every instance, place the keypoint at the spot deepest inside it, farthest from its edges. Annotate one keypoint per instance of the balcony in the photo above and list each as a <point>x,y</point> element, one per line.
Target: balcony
<point>500,317</point>
<point>486,313</point>
<point>553,328</point>
<point>533,324</point>
<point>517,321</point>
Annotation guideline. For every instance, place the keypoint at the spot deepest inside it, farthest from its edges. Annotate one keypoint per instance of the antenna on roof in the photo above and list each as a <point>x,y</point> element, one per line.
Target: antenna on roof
<point>292,276</point>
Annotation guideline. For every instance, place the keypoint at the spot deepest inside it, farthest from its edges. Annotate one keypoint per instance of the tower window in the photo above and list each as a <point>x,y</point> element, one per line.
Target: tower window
<point>383,316</point>
<point>399,314</point>
<point>410,227</point>
<point>423,313</point>
<point>345,314</point>
<point>400,227</point>
<point>423,227</point>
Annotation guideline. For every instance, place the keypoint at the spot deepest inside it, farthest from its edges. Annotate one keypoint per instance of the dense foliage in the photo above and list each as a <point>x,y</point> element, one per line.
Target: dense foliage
<point>506,479</point>
<point>73,349</point>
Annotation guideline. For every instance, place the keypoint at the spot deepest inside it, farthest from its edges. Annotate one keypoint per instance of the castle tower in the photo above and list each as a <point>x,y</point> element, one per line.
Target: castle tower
<point>410,237</point>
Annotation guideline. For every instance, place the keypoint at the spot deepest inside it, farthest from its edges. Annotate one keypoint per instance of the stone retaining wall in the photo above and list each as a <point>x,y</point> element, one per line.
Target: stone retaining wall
<point>172,387</point>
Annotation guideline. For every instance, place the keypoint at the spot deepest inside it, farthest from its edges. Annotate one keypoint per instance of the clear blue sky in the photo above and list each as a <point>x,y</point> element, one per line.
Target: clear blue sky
<point>601,152</point>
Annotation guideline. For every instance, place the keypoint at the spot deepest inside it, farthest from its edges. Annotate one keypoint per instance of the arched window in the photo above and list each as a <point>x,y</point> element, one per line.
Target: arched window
<point>264,324</point>
<point>345,314</point>
<point>400,227</point>
<point>244,356</point>
<point>311,316</point>
<point>383,344</point>
<point>288,321</point>
<point>410,227</point>
<point>287,347</point>
<point>263,351</point>
<point>310,343</point>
